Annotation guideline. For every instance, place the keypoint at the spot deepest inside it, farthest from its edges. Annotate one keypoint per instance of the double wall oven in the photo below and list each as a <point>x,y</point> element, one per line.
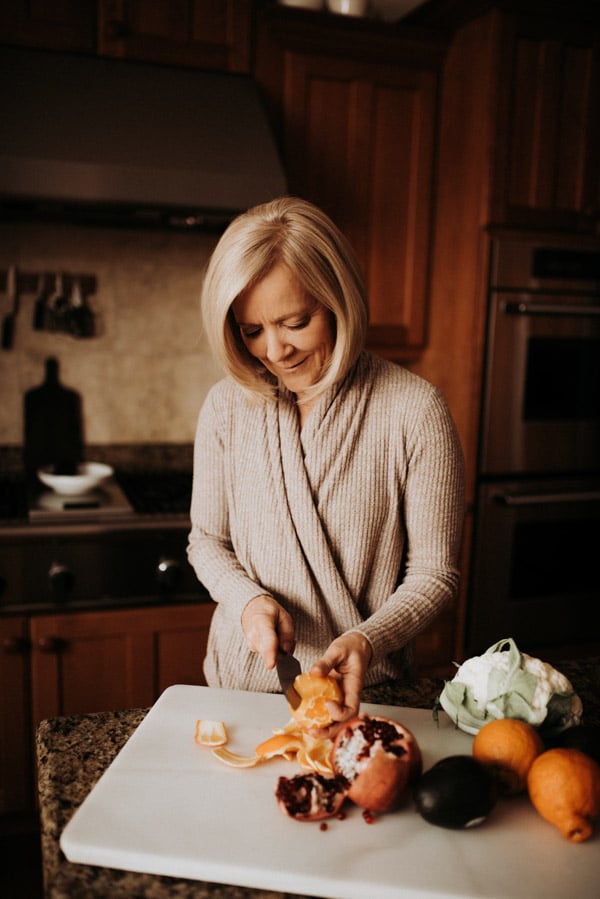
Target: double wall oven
<point>535,572</point>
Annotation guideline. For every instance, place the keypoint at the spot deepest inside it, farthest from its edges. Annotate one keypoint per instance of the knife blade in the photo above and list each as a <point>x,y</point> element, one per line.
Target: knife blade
<point>288,668</point>
<point>8,322</point>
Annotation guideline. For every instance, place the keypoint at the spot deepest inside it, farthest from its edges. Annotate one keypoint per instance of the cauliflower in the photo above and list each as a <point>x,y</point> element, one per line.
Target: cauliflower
<point>506,683</point>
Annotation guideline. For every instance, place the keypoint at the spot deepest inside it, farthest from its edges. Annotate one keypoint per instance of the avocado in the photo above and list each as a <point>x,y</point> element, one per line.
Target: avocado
<point>457,792</point>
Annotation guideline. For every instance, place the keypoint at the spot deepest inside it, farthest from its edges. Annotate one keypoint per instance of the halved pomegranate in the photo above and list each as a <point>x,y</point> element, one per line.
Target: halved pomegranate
<point>312,796</point>
<point>379,758</point>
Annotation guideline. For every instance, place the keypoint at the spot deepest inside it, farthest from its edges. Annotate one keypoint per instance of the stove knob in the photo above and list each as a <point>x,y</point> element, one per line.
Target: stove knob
<point>169,573</point>
<point>61,580</point>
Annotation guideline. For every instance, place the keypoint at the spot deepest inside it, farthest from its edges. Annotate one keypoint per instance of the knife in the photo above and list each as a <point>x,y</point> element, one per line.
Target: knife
<point>8,323</point>
<point>288,668</point>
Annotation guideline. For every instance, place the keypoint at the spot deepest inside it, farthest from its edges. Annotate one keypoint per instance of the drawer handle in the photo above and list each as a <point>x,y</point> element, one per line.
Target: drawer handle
<point>545,499</point>
<point>13,646</point>
<point>51,644</point>
<point>523,307</point>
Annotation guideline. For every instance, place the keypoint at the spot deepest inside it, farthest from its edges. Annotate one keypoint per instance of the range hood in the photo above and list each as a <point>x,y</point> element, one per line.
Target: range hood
<point>105,140</point>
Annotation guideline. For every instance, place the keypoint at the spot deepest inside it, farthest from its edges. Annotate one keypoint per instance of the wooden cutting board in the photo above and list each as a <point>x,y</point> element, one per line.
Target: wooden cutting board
<point>167,806</point>
<point>53,427</point>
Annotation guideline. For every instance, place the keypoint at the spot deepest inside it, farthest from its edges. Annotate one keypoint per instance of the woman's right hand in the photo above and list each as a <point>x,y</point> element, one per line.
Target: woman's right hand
<point>267,627</point>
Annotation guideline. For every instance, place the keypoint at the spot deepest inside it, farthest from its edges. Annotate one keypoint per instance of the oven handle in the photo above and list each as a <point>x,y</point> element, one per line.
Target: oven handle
<point>544,499</point>
<point>522,307</point>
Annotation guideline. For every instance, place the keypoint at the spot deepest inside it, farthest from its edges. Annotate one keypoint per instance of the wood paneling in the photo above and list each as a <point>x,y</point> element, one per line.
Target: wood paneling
<point>358,139</point>
<point>209,34</point>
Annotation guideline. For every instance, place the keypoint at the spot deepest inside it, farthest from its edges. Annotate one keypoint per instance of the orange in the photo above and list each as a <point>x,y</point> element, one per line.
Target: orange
<point>508,747</point>
<point>564,787</point>
<point>315,693</point>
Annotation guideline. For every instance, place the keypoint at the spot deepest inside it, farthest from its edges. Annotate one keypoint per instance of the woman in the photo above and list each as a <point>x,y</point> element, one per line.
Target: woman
<point>327,503</point>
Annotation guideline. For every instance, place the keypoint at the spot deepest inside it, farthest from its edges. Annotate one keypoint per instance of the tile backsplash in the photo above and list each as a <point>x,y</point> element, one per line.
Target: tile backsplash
<point>143,376</point>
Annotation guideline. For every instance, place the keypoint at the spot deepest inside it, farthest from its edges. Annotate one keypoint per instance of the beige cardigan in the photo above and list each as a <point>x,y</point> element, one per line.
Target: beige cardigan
<point>352,522</point>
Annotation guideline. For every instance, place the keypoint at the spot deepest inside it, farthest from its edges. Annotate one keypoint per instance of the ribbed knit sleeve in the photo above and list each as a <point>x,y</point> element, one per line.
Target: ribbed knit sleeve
<point>432,510</point>
<point>210,550</point>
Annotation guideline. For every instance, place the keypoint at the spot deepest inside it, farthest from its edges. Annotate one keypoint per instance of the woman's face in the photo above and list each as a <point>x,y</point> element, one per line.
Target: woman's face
<point>291,334</point>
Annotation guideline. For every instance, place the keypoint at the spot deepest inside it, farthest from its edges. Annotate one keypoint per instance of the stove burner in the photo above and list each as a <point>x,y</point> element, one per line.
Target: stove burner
<point>158,492</point>
<point>13,497</point>
<point>105,502</point>
<point>143,492</point>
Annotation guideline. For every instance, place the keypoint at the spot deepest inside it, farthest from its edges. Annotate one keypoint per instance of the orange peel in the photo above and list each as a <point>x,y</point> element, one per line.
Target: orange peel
<point>210,733</point>
<point>311,753</point>
<point>286,745</point>
<point>234,760</point>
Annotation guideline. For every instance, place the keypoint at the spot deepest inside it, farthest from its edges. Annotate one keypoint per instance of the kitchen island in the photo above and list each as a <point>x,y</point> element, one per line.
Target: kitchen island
<point>73,752</point>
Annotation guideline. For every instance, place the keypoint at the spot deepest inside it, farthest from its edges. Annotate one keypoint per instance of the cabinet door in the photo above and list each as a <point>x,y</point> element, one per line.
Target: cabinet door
<point>547,170</point>
<point>15,741</point>
<point>68,25</point>
<point>110,660</point>
<point>359,142</point>
<point>181,646</point>
<point>209,34</point>
<point>357,108</point>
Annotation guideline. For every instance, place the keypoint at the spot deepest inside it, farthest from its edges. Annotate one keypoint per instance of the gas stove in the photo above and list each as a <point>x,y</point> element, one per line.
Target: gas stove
<point>123,544</point>
<point>129,493</point>
<point>157,492</point>
<point>106,502</point>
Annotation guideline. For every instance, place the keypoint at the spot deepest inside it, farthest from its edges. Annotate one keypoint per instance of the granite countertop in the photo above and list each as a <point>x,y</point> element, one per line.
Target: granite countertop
<point>73,752</point>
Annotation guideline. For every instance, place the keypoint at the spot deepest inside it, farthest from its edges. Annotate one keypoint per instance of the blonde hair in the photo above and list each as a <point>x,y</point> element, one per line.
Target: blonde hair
<point>297,234</point>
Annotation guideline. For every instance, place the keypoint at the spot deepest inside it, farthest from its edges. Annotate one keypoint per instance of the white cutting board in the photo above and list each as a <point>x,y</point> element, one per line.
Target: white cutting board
<point>168,806</point>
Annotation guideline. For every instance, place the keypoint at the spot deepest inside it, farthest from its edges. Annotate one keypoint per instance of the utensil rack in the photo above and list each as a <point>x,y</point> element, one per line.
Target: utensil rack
<point>28,282</point>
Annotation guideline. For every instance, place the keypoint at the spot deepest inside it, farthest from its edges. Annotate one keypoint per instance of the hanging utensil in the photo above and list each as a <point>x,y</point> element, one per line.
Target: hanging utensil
<point>39,306</point>
<point>55,318</point>
<point>80,316</point>
<point>8,322</point>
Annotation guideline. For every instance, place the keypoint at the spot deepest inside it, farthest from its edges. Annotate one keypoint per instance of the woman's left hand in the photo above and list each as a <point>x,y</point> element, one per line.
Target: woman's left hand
<point>349,657</point>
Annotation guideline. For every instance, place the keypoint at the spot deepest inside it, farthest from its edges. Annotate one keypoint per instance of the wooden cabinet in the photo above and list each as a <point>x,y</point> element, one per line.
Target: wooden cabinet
<point>68,25</point>
<point>208,34</point>
<point>69,664</point>
<point>15,743</point>
<point>546,171</point>
<point>517,149</point>
<point>531,89</point>
<point>355,108</point>
<point>95,661</point>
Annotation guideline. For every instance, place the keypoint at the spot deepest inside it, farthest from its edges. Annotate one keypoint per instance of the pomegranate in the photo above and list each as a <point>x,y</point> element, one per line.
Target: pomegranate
<point>312,796</point>
<point>379,758</point>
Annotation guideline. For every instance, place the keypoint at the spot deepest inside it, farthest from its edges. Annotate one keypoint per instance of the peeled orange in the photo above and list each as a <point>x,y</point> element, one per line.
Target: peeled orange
<point>508,747</point>
<point>564,787</point>
<point>315,692</point>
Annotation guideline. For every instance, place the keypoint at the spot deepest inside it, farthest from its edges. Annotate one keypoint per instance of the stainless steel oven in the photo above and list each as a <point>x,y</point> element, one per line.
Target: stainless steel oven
<point>537,513</point>
<point>541,409</point>
<point>535,573</point>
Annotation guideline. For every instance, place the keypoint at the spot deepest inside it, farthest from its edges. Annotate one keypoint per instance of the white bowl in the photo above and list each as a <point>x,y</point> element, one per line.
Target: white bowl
<point>89,476</point>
